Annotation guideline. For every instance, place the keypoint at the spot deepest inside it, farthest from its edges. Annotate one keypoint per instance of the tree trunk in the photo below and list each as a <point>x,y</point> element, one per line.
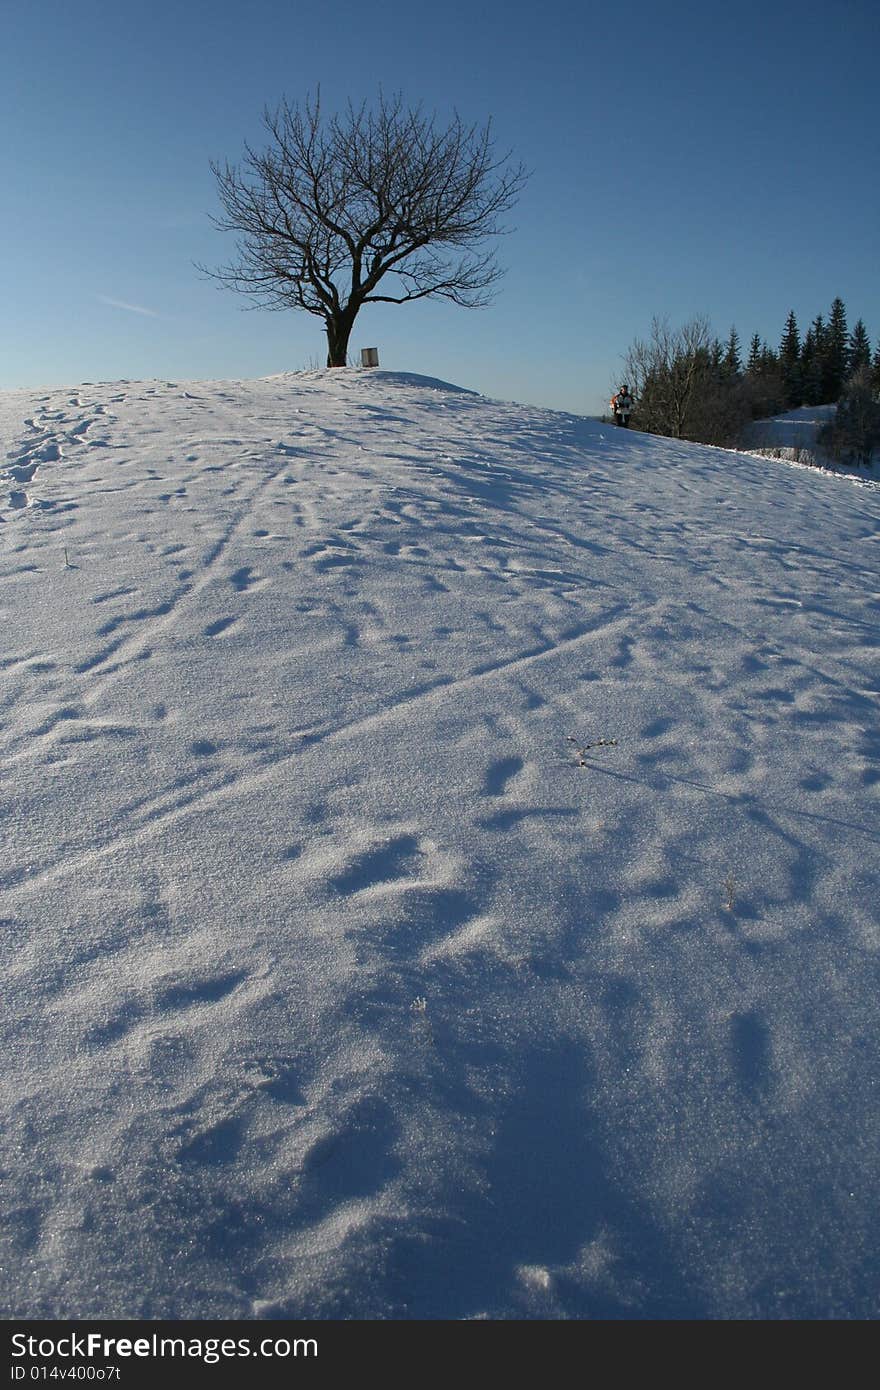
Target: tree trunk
<point>338,333</point>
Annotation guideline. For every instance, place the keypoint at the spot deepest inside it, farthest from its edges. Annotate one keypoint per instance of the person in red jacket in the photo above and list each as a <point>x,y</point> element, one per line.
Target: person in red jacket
<point>621,405</point>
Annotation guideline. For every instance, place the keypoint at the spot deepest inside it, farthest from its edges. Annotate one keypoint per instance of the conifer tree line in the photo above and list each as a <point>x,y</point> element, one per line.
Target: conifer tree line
<point>692,385</point>
<point>813,368</point>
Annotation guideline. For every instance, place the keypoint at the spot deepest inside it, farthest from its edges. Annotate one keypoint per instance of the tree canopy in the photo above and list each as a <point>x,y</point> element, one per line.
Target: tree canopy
<point>378,205</point>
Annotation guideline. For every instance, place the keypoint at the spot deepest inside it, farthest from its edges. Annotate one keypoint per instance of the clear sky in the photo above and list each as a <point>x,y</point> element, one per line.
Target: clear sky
<point>686,159</point>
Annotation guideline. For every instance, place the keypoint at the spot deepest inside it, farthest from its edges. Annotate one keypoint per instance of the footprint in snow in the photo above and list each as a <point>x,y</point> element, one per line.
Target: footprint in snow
<point>209,990</point>
<point>357,1159</point>
<point>279,1078</point>
<point>22,472</point>
<point>385,863</point>
<point>204,748</point>
<point>499,774</point>
<point>220,625</point>
<point>244,579</point>
<point>215,1146</point>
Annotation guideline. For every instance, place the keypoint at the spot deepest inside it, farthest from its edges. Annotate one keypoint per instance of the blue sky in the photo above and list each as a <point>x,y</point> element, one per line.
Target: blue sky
<point>685,159</point>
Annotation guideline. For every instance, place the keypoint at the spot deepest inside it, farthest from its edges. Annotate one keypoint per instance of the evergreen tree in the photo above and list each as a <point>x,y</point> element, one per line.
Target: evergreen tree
<point>716,358</point>
<point>763,381</point>
<point>824,367</point>
<point>836,353</point>
<point>769,360</point>
<point>853,435</point>
<point>790,363</point>
<point>732,361</point>
<point>813,361</point>
<point>859,350</point>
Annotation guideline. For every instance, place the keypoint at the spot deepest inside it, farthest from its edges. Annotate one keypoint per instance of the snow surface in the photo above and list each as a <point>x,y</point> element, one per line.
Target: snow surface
<point>793,429</point>
<point>438,862</point>
<point>793,438</point>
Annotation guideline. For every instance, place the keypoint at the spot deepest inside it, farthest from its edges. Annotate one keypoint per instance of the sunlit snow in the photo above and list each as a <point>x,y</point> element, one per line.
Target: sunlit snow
<point>438,862</point>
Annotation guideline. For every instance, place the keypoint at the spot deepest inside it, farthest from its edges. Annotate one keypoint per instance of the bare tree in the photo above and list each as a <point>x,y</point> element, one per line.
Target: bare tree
<point>665,373</point>
<point>338,206</point>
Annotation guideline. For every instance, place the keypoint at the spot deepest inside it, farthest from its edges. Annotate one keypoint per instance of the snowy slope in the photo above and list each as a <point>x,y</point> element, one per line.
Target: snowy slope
<point>438,862</point>
<point>794,429</point>
<point>793,438</point>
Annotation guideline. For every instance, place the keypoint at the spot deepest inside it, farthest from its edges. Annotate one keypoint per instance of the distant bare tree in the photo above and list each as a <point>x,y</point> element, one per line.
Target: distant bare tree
<point>665,373</point>
<point>336,204</point>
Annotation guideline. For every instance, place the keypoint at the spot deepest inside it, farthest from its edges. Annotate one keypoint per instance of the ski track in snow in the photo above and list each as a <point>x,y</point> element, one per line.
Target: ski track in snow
<point>438,862</point>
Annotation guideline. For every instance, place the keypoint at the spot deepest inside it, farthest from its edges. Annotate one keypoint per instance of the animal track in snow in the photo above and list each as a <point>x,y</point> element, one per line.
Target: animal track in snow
<point>203,748</point>
<point>499,773</point>
<point>244,579</point>
<point>218,1144</point>
<point>22,472</point>
<point>406,900</point>
<point>278,1077</point>
<point>210,989</point>
<point>80,429</point>
<point>356,1159</point>
<point>121,592</point>
<point>386,863</point>
<point>657,727</point>
<point>181,995</point>
<point>219,625</point>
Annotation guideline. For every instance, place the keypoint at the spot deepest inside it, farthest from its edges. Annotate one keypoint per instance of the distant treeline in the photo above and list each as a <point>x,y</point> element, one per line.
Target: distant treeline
<point>812,370</point>
<point>692,385</point>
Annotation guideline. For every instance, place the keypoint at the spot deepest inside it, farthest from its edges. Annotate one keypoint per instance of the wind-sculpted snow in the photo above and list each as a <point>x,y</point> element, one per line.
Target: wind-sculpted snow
<point>439,862</point>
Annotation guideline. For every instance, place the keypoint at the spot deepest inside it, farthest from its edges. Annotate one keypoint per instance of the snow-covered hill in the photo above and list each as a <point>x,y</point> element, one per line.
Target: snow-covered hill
<point>793,429</point>
<point>439,862</point>
<point>793,437</point>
